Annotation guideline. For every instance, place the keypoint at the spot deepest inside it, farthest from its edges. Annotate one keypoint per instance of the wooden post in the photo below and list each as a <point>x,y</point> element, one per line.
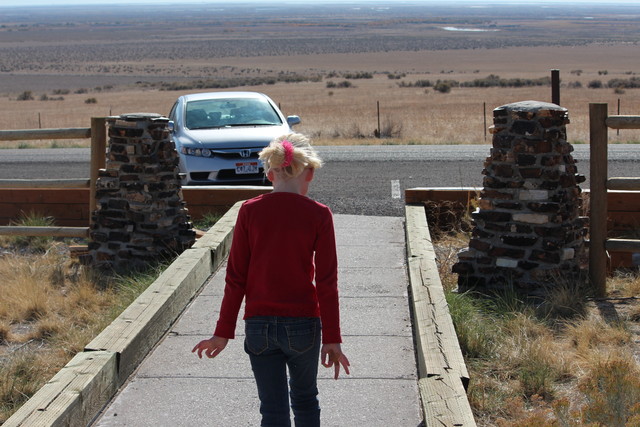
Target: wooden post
<point>598,197</point>
<point>618,130</point>
<point>98,157</point>
<point>555,87</point>
<point>484,115</point>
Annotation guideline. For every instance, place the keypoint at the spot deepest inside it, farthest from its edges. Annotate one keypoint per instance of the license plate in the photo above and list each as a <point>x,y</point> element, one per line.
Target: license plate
<point>247,167</point>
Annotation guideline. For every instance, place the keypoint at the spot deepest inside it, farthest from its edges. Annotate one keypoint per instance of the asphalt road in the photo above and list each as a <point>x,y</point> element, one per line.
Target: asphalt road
<point>361,180</point>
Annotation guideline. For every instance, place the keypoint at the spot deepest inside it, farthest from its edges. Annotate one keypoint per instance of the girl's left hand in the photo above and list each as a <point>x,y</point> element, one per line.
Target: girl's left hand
<point>211,347</point>
<point>332,355</point>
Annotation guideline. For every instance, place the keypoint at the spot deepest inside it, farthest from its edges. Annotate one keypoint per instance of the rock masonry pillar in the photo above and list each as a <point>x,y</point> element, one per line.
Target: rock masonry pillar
<point>140,216</point>
<point>527,230</point>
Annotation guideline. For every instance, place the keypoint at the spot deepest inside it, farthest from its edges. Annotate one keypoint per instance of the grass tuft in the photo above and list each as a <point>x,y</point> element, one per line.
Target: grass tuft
<point>20,377</point>
<point>5,332</point>
<point>625,284</point>
<point>612,391</point>
<point>537,370</point>
<point>207,221</point>
<point>477,332</point>
<point>594,333</point>
<point>34,243</point>
<point>566,300</point>
<point>46,328</point>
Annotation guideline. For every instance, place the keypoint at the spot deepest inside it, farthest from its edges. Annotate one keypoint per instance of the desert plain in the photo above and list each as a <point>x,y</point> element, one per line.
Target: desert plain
<point>347,69</point>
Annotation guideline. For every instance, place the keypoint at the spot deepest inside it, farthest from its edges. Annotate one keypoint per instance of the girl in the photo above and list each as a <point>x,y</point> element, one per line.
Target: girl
<point>283,243</point>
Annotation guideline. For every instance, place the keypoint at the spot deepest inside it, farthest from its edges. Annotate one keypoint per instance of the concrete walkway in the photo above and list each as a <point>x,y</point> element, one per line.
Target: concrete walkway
<point>173,387</point>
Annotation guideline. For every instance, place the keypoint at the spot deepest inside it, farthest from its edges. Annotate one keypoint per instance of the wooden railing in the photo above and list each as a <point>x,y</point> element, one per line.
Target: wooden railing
<point>600,183</point>
<point>442,371</point>
<point>98,134</point>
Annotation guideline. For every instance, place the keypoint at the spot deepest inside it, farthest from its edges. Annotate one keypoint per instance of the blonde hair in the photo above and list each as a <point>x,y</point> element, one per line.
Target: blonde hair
<point>304,156</point>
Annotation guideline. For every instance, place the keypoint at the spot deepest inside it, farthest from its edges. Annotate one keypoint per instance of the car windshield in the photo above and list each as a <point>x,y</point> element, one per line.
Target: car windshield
<point>215,113</point>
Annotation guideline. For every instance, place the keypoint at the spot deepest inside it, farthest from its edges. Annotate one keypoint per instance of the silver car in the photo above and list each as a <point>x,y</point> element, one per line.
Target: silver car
<point>218,135</point>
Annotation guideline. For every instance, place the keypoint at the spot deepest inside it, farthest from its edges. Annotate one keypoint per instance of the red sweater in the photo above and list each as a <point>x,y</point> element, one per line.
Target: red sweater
<point>282,242</point>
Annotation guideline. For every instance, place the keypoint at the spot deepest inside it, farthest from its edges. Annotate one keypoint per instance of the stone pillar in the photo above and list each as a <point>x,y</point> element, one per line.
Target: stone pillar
<point>140,216</point>
<point>527,229</point>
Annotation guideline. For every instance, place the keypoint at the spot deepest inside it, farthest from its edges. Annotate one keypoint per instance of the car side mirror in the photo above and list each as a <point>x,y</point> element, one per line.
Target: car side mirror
<point>293,120</point>
<point>171,125</point>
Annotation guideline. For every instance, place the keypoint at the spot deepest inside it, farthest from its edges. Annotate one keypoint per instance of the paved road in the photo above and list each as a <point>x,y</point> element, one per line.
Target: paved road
<point>370,180</point>
<point>361,180</point>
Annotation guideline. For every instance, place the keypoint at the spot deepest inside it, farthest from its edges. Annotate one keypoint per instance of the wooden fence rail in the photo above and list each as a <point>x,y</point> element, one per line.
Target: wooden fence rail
<point>98,134</point>
<point>45,231</point>
<point>45,183</point>
<point>599,122</point>
<point>29,134</point>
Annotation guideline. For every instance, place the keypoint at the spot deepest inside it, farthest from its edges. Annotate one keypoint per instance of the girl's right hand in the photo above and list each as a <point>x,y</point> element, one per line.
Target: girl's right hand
<point>211,347</point>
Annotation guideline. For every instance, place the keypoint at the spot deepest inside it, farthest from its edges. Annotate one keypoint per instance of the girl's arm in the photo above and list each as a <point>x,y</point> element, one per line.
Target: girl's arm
<point>235,279</point>
<point>326,278</point>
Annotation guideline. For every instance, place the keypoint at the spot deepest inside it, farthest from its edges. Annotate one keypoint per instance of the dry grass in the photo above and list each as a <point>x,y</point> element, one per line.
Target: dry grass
<point>343,116</point>
<point>349,115</point>
<point>574,362</point>
<point>49,310</point>
<point>531,368</point>
<point>623,285</point>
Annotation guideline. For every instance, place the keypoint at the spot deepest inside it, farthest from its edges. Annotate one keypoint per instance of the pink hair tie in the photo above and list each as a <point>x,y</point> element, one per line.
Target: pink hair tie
<point>288,153</point>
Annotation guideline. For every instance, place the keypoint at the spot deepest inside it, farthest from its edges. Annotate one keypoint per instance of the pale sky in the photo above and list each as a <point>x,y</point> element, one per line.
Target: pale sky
<point>223,2</point>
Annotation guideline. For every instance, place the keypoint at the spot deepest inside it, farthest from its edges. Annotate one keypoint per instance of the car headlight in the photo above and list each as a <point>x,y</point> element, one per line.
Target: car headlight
<point>198,152</point>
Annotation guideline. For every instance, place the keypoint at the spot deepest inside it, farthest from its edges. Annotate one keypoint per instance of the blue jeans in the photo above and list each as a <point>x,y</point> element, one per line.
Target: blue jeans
<point>274,344</point>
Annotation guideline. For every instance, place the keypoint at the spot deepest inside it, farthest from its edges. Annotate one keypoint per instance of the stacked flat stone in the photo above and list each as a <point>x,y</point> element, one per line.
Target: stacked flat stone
<point>140,216</point>
<point>527,230</point>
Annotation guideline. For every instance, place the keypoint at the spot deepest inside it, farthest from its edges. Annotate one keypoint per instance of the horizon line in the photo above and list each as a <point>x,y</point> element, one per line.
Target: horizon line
<point>39,3</point>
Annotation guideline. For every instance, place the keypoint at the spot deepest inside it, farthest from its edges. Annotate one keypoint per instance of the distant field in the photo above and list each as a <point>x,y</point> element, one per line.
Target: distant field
<point>330,65</point>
